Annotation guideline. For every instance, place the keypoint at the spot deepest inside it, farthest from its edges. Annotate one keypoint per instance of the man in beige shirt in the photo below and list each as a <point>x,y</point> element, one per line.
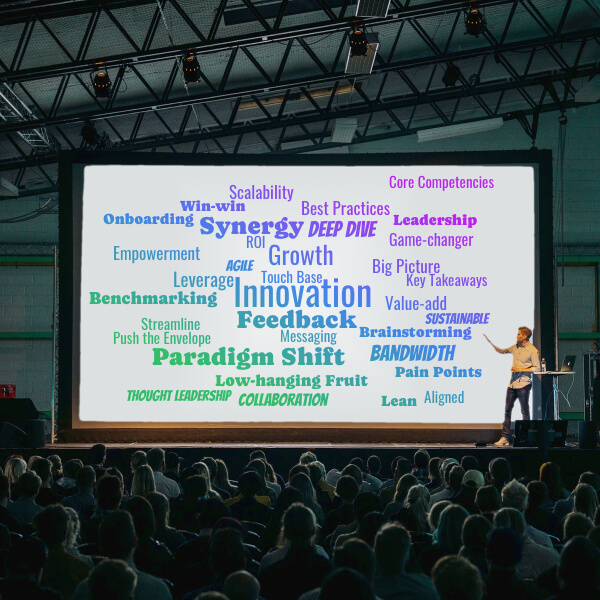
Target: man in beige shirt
<point>526,361</point>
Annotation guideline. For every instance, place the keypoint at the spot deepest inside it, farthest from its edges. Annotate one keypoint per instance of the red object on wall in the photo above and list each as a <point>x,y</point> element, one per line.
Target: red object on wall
<point>8,390</point>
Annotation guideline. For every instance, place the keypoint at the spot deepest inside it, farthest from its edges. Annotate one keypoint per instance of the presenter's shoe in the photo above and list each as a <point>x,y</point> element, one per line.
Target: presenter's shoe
<point>502,442</point>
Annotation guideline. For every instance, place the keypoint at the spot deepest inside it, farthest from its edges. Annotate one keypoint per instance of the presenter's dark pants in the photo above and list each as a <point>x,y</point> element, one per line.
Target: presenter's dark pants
<point>511,397</point>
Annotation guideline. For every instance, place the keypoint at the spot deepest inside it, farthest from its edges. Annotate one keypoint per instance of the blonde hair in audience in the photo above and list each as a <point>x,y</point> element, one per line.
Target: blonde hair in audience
<point>143,481</point>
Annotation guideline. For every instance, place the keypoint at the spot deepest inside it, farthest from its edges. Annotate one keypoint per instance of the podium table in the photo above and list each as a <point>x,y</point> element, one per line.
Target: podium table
<point>551,376</point>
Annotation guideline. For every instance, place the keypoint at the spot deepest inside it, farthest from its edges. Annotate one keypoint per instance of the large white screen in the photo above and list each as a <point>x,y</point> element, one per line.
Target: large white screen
<point>477,248</point>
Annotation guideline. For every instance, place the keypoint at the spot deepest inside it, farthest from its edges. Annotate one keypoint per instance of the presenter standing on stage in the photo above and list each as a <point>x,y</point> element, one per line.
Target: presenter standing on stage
<point>526,361</point>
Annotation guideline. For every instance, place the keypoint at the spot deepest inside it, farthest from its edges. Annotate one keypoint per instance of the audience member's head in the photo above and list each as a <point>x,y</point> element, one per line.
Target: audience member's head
<point>579,568</point>
<point>42,467</point>
<point>585,500</point>
<point>355,554</point>
<point>594,535</point>
<point>57,466</point>
<point>402,467</point>
<point>51,525</point>
<point>365,503</point>
<point>156,459</point>
<point>455,478</point>
<point>417,500</point>
<point>86,479</point>
<point>299,526</point>
<point>455,578</point>
<point>72,467</point>
<point>421,459</point>
<point>359,462</point>
<point>474,533</point>
<point>195,488</point>
<point>29,484</point>
<point>488,499</point>
<point>112,579</point>
<point>172,462</point>
<point>590,478</point>
<point>298,469</point>
<point>138,458</point>
<point>515,495</point>
<point>538,495</point>
<point>434,468</point>
<point>511,517</point>
<point>15,467</point>
<point>241,585</point>
<point>550,475</point>
<point>354,472</point>
<point>504,548</point>
<point>499,472</point>
<point>72,528</point>
<point>307,457</point>
<point>109,492</point>
<point>249,484</point>
<point>160,507</point>
<point>27,557</point>
<point>143,481</point>
<point>303,484</point>
<point>392,547</point>
<point>211,463</point>
<point>374,465</point>
<point>448,534</point>
<point>346,583</point>
<point>575,524</point>
<point>227,553</point>
<point>404,484</point>
<point>435,513</point>
<point>369,527</point>
<point>117,535</point>
<point>469,463</point>
<point>347,489</point>
<point>143,516</point>
<point>97,455</point>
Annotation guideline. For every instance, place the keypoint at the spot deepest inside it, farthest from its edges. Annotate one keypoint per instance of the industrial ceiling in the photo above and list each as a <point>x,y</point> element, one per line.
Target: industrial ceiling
<point>274,75</point>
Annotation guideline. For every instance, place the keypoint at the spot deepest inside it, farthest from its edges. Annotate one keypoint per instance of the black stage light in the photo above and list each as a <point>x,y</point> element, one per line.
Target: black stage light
<point>102,84</point>
<point>452,75</point>
<point>358,43</point>
<point>474,22</point>
<point>191,69</point>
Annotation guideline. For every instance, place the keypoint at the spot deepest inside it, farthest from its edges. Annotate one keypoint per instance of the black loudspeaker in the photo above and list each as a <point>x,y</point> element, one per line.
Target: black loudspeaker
<point>535,434</point>
<point>18,411</point>
<point>36,433</point>
<point>11,436</point>
<point>587,434</point>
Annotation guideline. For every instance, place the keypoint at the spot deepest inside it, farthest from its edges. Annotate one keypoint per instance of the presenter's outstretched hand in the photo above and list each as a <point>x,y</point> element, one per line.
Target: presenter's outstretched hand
<point>490,341</point>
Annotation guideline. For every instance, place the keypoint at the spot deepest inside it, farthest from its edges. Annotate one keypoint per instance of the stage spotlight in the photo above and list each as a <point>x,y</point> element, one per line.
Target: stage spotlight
<point>474,22</point>
<point>358,43</point>
<point>102,84</point>
<point>191,69</point>
<point>452,75</point>
<point>474,79</point>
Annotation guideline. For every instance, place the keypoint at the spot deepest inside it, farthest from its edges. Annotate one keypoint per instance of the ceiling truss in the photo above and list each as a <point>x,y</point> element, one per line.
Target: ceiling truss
<point>517,77</point>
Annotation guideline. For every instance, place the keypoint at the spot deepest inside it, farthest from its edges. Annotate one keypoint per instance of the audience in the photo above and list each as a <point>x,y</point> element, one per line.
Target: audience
<point>433,530</point>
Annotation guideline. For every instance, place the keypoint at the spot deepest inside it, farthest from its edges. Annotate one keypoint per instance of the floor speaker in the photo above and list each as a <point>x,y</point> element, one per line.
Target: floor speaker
<point>540,433</point>
<point>18,411</point>
<point>36,433</point>
<point>587,434</point>
<point>11,436</point>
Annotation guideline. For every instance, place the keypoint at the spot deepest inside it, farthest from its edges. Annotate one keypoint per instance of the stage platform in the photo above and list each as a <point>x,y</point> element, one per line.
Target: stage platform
<point>525,461</point>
